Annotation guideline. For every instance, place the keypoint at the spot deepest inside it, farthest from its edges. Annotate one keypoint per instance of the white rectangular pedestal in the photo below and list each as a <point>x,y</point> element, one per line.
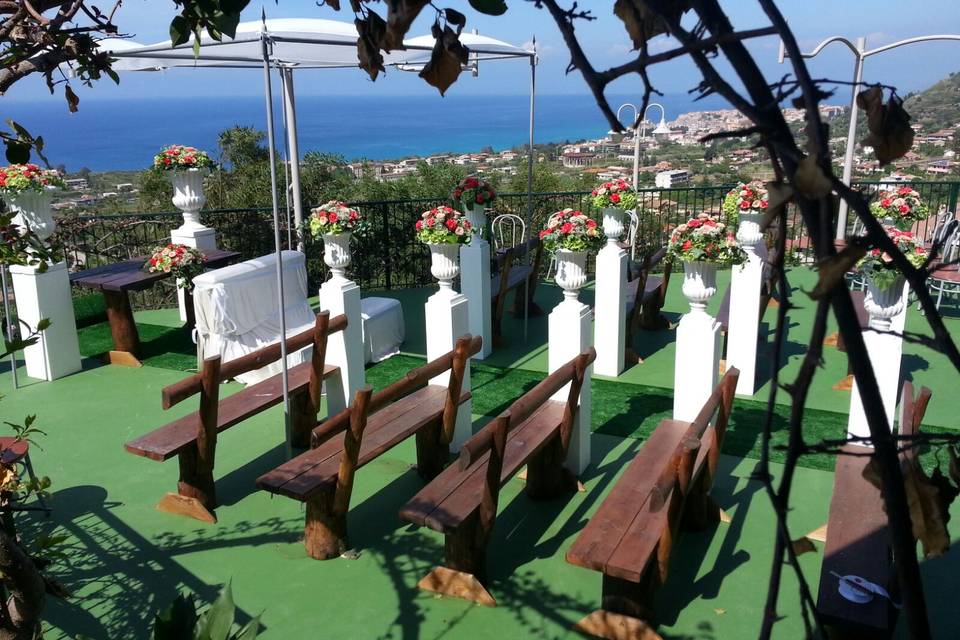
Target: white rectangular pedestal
<point>344,348</point>
<point>47,295</point>
<point>475,285</point>
<point>610,325</point>
<point>697,366</point>
<point>447,318</point>
<point>202,238</point>
<point>744,324</point>
<point>885,354</point>
<point>571,334</point>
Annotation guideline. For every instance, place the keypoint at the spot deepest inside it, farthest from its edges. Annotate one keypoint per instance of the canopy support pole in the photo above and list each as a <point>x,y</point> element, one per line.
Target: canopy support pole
<point>532,152</point>
<point>271,148</point>
<point>293,155</point>
<point>286,173</point>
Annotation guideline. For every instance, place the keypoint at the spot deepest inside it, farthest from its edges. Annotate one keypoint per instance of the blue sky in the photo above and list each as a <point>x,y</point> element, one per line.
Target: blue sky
<point>881,21</point>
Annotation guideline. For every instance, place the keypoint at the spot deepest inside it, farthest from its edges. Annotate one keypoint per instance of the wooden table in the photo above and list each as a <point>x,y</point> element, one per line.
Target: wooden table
<point>116,281</point>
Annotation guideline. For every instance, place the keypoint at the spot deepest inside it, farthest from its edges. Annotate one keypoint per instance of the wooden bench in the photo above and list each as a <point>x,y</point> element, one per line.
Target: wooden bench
<point>462,501</point>
<point>631,536</point>
<point>323,476</point>
<point>858,538</point>
<point>510,275</point>
<point>643,310</point>
<point>193,438</point>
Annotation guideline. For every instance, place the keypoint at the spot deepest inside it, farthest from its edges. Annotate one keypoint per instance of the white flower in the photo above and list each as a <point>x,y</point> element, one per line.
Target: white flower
<point>459,231</point>
<point>552,223</point>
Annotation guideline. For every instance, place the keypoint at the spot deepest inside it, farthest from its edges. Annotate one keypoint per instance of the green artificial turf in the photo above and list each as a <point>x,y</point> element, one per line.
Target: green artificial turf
<point>160,346</point>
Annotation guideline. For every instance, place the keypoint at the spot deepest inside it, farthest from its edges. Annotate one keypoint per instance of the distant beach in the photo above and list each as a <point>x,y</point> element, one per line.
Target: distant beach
<point>110,135</point>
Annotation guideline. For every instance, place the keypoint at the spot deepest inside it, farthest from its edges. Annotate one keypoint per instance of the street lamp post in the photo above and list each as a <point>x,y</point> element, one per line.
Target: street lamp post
<point>660,129</point>
<point>860,53</point>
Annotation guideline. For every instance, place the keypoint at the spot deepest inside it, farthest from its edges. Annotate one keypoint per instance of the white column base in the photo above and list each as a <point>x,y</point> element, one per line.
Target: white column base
<point>571,334</point>
<point>344,348</point>
<point>47,295</point>
<point>447,318</point>
<point>744,326</point>
<point>475,285</point>
<point>198,237</point>
<point>696,371</point>
<point>610,325</point>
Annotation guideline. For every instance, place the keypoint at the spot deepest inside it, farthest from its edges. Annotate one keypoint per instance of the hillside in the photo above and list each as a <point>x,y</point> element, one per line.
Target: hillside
<point>937,107</point>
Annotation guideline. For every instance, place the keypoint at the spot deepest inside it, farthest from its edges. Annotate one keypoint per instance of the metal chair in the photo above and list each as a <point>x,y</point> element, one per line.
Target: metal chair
<point>509,230</point>
<point>946,278</point>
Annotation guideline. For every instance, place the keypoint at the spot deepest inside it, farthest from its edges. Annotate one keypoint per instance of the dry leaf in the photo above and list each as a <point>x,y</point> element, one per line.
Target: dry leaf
<point>446,61</point>
<point>8,477</point>
<point>372,32</point>
<point>719,612</point>
<point>641,23</point>
<point>889,124</point>
<point>810,179</point>
<point>73,100</point>
<point>400,15</point>
<point>802,546</point>
<point>778,195</point>
<point>831,270</point>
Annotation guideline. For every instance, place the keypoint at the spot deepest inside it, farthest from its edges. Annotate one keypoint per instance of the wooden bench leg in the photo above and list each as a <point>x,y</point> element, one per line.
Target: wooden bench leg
<point>700,511</point>
<point>432,453</point>
<point>303,419</point>
<point>625,611</point>
<point>465,573</point>
<point>546,476</point>
<point>325,532</point>
<point>196,495</point>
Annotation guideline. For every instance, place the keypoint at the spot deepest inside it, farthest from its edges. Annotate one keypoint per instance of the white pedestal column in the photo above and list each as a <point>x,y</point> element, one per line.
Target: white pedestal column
<point>743,331</point>
<point>610,327</point>
<point>570,333</point>
<point>344,348</point>
<point>47,295</point>
<point>198,237</point>
<point>447,318</point>
<point>475,283</point>
<point>696,370</point>
<point>885,349</point>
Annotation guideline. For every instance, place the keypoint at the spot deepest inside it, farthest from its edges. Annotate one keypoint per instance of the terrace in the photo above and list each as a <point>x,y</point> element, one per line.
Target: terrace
<point>125,560</point>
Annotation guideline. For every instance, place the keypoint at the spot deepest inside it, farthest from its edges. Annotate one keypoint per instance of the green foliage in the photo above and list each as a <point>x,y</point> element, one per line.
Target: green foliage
<point>180,620</point>
<point>937,107</point>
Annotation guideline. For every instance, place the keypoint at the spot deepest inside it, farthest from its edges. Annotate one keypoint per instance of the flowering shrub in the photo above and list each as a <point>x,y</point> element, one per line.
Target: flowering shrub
<point>572,230</point>
<point>179,260</point>
<point>617,193</point>
<point>473,191</point>
<point>705,239</point>
<point>750,197</point>
<point>901,204</point>
<point>334,217</point>
<point>17,178</point>
<point>878,264</point>
<point>177,157</point>
<point>443,225</point>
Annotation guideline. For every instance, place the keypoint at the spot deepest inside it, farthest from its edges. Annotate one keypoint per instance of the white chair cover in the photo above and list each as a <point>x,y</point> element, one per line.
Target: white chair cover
<point>382,328</point>
<point>236,309</point>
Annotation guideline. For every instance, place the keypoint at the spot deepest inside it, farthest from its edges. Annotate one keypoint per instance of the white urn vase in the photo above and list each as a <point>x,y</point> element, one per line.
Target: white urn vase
<point>612,222</point>
<point>884,303</point>
<point>32,210</point>
<point>445,263</point>
<point>477,217</point>
<point>748,231</point>
<point>188,194</point>
<point>336,253</point>
<point>571,272</point>
<point>699,284</point>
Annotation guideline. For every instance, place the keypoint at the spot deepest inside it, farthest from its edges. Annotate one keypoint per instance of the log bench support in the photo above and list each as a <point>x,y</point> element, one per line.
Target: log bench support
<point>649,295</point>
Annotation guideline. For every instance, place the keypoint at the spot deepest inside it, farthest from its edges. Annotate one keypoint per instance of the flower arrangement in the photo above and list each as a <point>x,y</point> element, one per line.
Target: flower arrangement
<point>749,197</point>
<point>619,194</point>
<point>571,230</point>
<point>18,178</point>
<point>878,264</point>
<point>901,204</point>
<point>177,157</point>
<point>443,225</point>
<point>473,191</point>
<point>705,239</point>
<point>334,217</point>
<point>178,259</point>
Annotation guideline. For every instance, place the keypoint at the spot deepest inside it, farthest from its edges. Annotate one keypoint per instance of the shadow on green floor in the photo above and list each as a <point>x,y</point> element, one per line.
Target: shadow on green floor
<point>160,346</point>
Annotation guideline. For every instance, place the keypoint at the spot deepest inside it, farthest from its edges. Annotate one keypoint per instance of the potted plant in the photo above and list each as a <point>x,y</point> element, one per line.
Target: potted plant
<point>444,229</point>
<point>179,260</point>
<point>28,190</point>
<point>571,235</point>
<point>613,199</point>
<point>743,209</point>
<point>900,207</point>
<point>703,244</point>
<point>474,194</point>
<point>884,298</point>
<point>186,168</point>
<point>336,223</point>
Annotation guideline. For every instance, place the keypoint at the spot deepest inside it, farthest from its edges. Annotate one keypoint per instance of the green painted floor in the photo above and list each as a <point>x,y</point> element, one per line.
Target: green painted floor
<point>124,560</point>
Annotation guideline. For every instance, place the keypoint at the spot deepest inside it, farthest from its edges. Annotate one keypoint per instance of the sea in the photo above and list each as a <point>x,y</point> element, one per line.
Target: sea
<point>124,134</point>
